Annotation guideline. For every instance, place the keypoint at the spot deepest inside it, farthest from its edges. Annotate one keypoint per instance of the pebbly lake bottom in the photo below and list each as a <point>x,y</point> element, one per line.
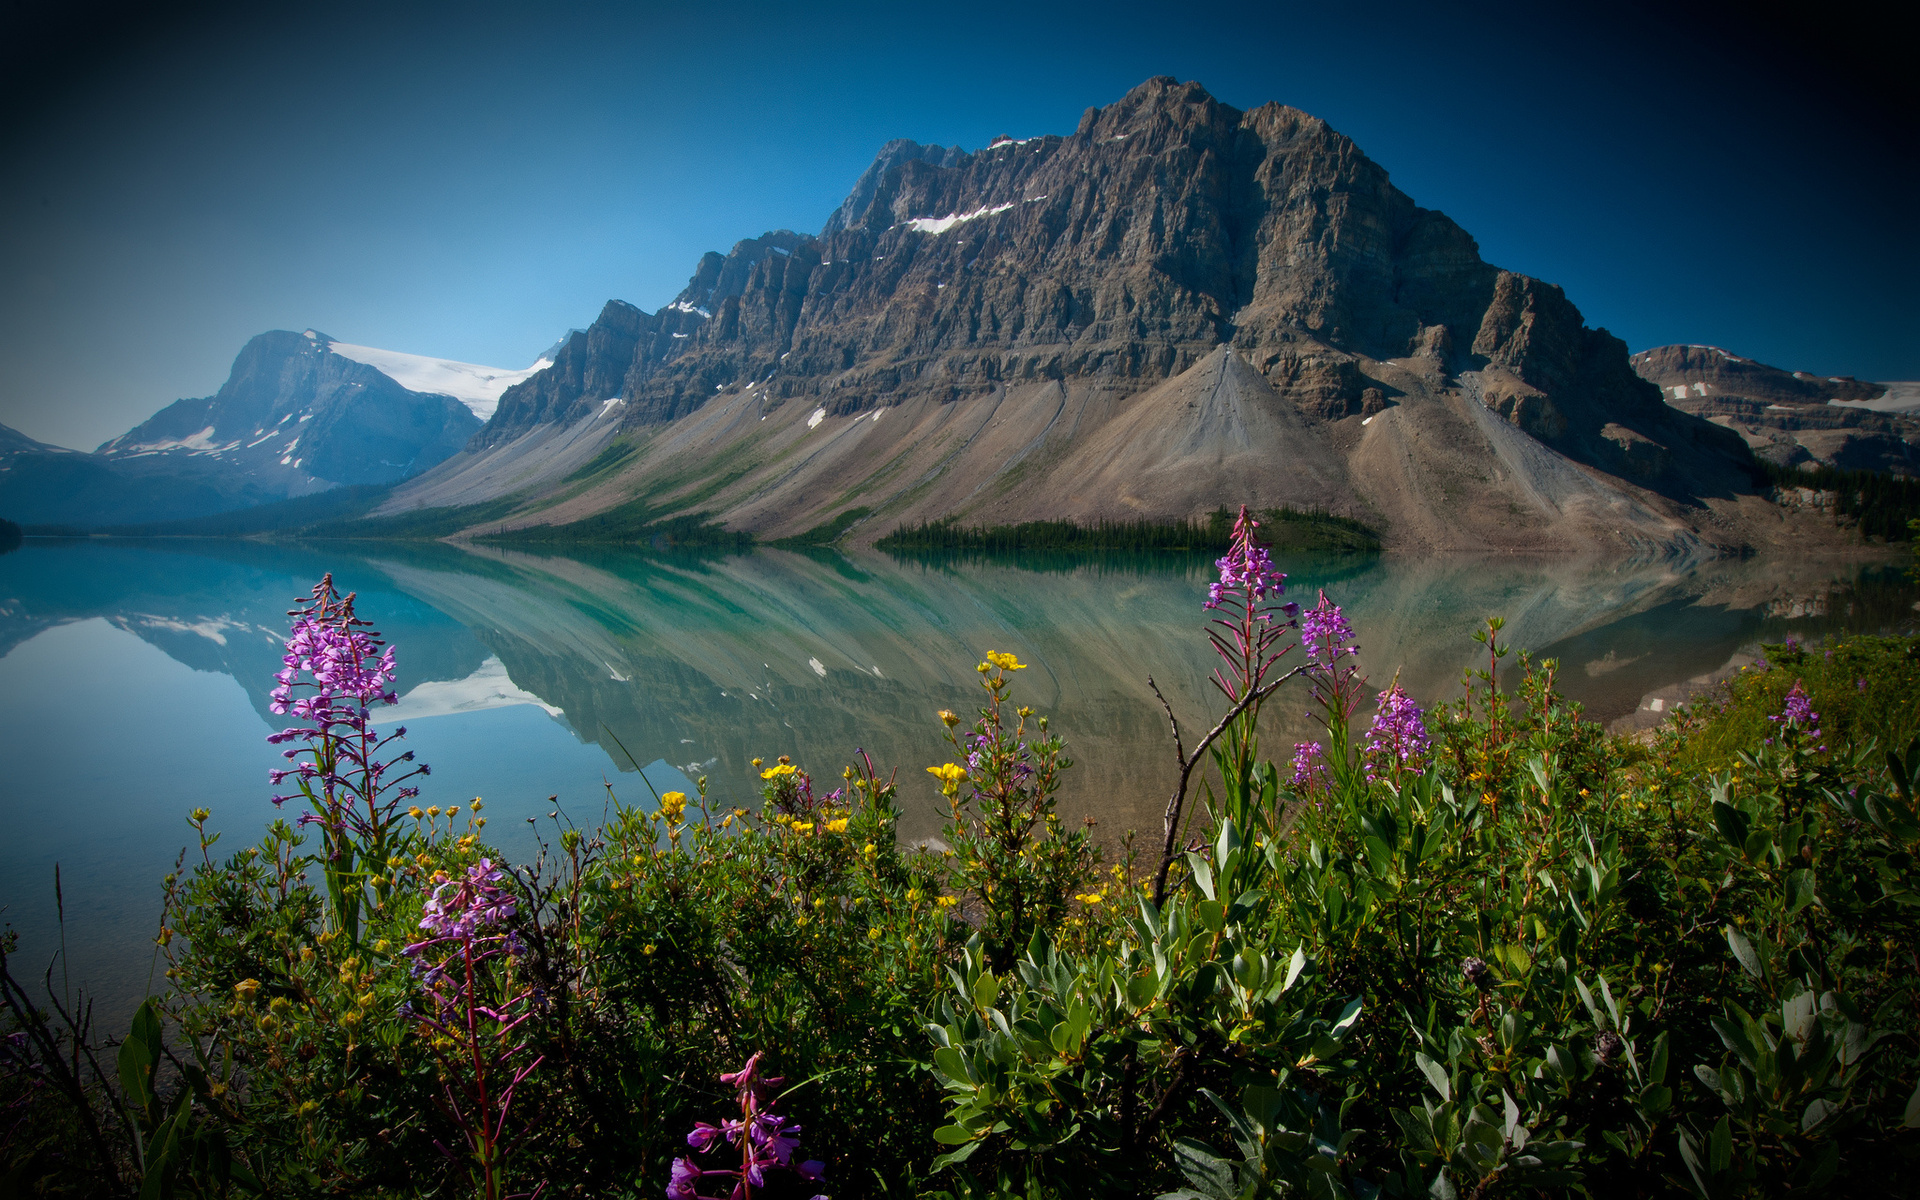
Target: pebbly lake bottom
<point>134,680</point>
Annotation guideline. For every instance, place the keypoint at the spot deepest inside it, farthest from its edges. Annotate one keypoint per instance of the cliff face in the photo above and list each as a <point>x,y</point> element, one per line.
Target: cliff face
<point>1791,418</point>
<point>1053,283</point>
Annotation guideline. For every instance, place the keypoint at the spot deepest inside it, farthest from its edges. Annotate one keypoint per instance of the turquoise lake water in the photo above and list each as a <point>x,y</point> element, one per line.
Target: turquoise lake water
<point>134,680</point>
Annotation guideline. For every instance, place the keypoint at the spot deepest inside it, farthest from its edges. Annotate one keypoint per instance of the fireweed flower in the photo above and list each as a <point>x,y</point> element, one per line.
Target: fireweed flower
<point>1252,621</point>
<point>1333,677</point>
<point>469,1027</point>
<point>333,671</point>
<point>1798,714</point>
<point>767,1142</point>
<point>1309,766</point>
<point>1397,739</point>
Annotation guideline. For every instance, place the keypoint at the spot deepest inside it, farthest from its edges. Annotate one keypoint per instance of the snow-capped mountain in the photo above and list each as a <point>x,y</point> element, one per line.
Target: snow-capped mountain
<point>299,413</point>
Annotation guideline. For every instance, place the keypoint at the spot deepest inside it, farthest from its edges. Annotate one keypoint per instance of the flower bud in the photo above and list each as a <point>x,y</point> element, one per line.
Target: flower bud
<point>1478,974</point>
<point>1608,1046</point>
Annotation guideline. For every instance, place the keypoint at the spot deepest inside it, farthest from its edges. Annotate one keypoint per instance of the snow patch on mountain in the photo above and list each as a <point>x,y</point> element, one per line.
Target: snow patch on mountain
<point>475,386</point>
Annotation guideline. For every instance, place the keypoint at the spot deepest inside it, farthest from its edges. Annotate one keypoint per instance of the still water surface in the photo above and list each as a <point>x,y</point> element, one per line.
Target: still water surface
<point>134,680</point>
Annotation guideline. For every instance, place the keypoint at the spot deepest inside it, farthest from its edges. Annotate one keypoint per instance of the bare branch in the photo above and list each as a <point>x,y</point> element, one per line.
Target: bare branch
<point>1176,803</point>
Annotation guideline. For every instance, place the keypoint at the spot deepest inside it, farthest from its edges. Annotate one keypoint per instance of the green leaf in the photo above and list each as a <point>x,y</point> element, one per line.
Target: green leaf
<point>1435,1073</point>
<point>1657,1066</point>
<point>1744,951</point>
<point>1912,1119</point>
<point>1720,1152</point>
<point>1295,965</point>
<point>958,1156</point>
<point>952,1135</point>
<point>1799,890</point>
<point>1209,1175</point>
<point>139,1057</point>
<point>1733,824</point>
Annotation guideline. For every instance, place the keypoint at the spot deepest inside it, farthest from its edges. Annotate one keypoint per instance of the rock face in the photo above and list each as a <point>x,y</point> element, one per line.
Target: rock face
<point>1787,417</point>
<point>1028,307</point>
<point>293,418</point>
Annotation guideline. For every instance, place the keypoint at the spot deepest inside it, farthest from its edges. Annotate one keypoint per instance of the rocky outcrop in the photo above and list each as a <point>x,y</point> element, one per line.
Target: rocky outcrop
<point>1791,418</point>
<point>1070,275</point>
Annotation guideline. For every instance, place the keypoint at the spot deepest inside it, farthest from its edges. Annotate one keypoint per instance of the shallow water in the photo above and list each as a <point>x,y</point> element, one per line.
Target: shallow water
<point>134,680</point>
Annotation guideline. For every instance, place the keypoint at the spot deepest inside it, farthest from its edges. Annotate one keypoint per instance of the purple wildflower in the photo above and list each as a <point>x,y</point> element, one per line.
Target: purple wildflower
<point>1246,633</point>
<point>767,1140</point>
<point>1325,634</point>
<point>1799,708</point>
<point>458,908</point>
<point>482,1060</point>
<point>1397,739</point>
<point>334,669</point>
<point>1310,765</point>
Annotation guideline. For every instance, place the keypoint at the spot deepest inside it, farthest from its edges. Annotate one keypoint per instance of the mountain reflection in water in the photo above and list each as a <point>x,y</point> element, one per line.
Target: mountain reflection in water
<point>696,666</point>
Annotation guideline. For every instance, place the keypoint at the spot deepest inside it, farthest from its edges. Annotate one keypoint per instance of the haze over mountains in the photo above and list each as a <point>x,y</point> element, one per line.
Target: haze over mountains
<point>1177,306</point>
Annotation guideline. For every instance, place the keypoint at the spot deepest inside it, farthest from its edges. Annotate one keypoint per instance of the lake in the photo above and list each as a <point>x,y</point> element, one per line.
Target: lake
<point>135,675</point>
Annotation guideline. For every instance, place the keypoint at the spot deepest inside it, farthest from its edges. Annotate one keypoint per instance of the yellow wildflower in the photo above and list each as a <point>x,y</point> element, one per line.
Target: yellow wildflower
<point>756,764</point>
<point>775,772</point>
<point>869,850</point>
<point>839,826</point>
<point>947,901</point>
<point>874,933</point>
<point>949,776</point>
<point>415,811</point>
<point>647,950</point>
<point>949,718</point>
<point>801,920</point>
<point>803,826</point>
<point>674,805</point>
<point>246,988</point>
<point>1006,662</point>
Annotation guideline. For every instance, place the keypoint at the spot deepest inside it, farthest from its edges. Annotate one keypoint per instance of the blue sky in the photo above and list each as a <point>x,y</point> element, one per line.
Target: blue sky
<point>469,181</point>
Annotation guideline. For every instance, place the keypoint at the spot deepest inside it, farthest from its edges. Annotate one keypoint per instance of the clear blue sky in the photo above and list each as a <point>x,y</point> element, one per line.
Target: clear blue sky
<point>470,180</point>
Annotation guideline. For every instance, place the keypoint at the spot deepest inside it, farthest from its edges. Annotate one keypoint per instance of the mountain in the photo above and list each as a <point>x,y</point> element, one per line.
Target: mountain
<point>1178,305</point>
<point>299,413</point>
<point>1791,417</point>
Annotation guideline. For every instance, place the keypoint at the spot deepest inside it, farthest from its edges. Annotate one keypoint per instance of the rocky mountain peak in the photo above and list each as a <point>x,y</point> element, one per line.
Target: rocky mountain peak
<point>1166,230</point>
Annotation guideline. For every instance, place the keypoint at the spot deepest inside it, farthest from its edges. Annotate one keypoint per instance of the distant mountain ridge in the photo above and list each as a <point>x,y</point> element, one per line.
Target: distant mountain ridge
<point>299,413</point>
<point>1178,305</point>
<point>1788,417</point>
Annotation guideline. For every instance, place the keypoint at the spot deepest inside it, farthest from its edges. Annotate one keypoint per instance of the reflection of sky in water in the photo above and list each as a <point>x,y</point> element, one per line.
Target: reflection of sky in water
<point>135,678</point>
